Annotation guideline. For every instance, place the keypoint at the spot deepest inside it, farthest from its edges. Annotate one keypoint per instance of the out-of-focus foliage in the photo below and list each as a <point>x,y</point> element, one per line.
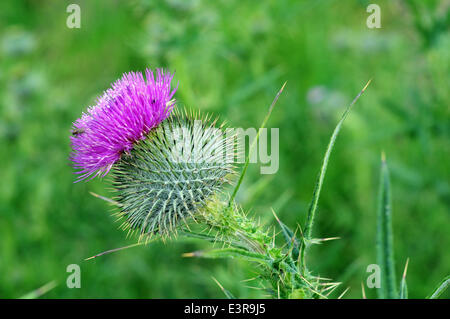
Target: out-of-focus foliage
<point>230,58</point>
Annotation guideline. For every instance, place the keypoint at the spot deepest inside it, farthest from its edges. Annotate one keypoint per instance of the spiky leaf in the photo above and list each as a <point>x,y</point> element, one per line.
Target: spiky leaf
<point>320,179</point>
<point>385,250</point>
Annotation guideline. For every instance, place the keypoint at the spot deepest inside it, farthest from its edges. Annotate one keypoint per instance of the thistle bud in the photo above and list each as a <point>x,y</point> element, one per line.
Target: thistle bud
<point>172,175</point>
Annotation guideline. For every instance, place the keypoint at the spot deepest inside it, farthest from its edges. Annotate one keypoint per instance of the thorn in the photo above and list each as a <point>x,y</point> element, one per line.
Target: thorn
<point>250,279</point>
<point>323,278</point>
<point>406,268</point>
<point>114,250</point>
<point>363,291</point>
<point>320,240</point>
<point>300,229</point>
<point>192,254</point>
<point>383,157</point>
<point>275,215</point>
<point>342,294</point>
<point>365,87</point>
<point>105,198</point>
<point>278,285</point>
<point>331,289</point>
<point>218,283</point>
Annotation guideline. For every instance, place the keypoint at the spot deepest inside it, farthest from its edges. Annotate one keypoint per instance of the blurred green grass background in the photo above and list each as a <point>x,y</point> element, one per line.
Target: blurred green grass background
<point>230,58</point>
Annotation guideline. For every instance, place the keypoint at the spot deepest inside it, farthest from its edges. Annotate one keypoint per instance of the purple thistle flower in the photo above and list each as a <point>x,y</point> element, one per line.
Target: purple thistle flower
<point>122,116</point>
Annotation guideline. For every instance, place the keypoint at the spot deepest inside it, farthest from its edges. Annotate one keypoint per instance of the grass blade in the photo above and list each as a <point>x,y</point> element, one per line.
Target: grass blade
<point>443,285</point>
<point>384,243</point>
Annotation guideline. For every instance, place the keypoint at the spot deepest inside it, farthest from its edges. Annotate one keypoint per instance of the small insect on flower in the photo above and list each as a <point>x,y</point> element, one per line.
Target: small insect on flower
<point>122,116</point>
<point>77,131</point>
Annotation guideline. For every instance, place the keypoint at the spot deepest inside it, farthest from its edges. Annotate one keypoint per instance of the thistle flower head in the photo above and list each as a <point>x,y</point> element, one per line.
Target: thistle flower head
<point>123,115</point>
<point>173,174</point>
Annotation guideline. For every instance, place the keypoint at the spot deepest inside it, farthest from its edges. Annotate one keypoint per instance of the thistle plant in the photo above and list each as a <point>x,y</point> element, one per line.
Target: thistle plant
<point>168,168</point>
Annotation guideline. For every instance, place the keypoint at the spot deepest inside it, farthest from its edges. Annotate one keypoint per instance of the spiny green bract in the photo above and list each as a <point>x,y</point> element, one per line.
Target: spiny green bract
<point>172,174</point>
